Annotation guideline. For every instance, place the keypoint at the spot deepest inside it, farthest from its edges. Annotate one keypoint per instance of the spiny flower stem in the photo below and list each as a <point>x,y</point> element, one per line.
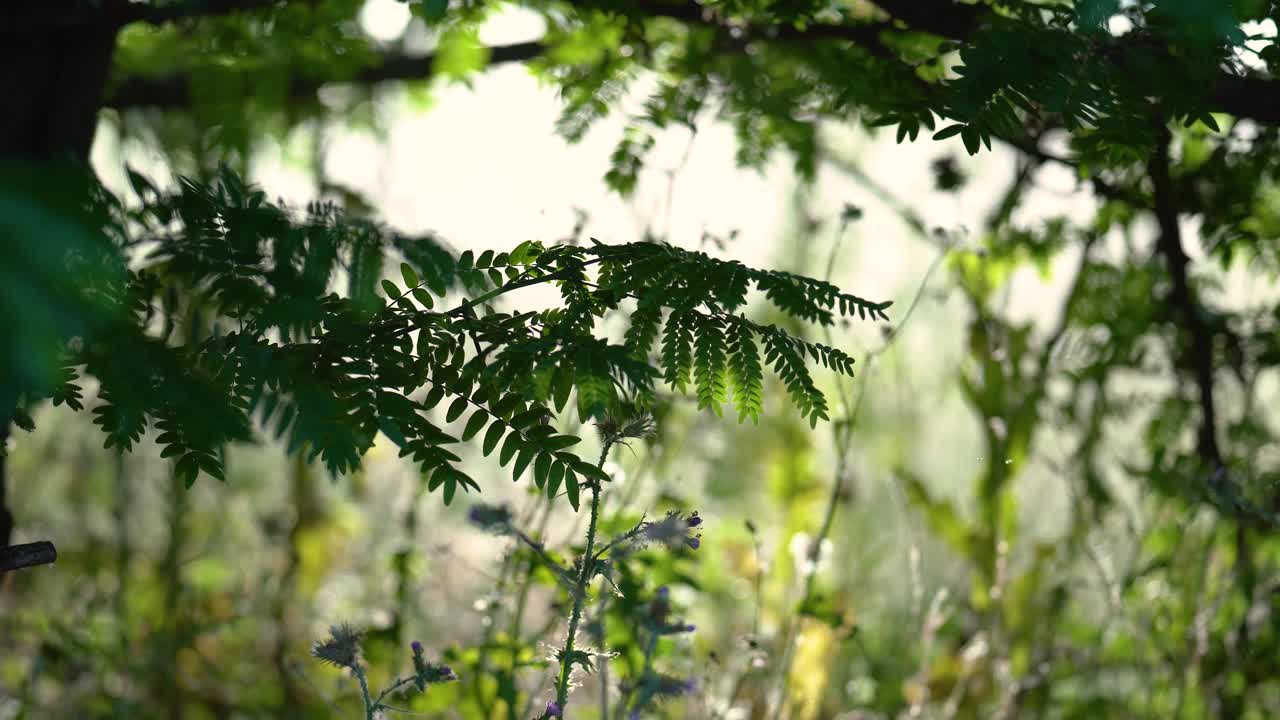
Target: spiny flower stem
<point>370,708</point>
<point>580,588</point>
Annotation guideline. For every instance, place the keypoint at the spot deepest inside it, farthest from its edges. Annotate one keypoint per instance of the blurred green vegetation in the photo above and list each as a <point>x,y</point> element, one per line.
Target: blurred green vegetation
<point>1069,512</point>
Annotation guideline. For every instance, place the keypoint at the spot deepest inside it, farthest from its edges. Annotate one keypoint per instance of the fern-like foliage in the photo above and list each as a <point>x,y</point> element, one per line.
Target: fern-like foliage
<point>263,335</point>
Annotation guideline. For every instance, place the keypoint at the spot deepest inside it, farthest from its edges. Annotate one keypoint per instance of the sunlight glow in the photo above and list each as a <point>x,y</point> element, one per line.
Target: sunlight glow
<point>385,20</point>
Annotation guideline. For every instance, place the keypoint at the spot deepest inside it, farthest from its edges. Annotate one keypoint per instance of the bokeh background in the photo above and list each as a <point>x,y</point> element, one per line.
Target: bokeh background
<point>205,603</point>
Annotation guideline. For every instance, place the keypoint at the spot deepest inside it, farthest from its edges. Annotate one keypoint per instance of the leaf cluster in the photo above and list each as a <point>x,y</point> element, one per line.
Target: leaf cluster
<point>231,315</point>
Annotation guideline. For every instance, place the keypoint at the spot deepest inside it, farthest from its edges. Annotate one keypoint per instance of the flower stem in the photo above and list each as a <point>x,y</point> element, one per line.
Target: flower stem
<point>580,588</point>
<point>369,705</point>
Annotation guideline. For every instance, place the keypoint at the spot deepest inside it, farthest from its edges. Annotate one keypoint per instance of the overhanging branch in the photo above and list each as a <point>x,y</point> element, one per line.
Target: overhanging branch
<point>1253,97</point>
<point>37,17</point>
<point>954,21</point>
<point>175,91</point>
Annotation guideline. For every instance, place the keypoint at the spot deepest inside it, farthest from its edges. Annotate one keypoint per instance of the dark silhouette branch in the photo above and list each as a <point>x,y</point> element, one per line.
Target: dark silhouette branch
<point>945,19</point>
<point>1184,301</point>
<point>1249,96</point>
<point>37,17</point>
<point>1200,338</point>
<point>16,557</point>
<point>174,92</point>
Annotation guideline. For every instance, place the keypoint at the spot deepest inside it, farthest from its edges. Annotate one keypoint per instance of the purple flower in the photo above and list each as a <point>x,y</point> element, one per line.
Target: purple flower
<point>668,686</point>
<point>554,710</point>
<point>693,520</point>
<point>663,592</point>
<point>416,646</point>
<point>693,542</point>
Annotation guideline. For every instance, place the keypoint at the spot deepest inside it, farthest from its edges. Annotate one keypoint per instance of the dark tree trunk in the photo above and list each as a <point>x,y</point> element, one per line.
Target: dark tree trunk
<point>53,79</point>
<point>53,82</point>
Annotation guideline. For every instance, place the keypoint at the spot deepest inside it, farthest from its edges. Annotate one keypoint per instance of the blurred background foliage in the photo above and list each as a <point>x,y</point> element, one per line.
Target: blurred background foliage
<point>1049,491</point>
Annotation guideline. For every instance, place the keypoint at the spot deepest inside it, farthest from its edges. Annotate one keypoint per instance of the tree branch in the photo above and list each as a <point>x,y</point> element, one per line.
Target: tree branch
<point>1200,340</point>
<point>35,17</point>
<point>950,20</point>
<point>1253,97</point>
<point>174,91</point>
<point>16,557</point>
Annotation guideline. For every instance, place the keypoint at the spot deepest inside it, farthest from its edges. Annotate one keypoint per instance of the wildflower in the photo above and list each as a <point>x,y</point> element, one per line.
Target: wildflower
<point>425,673</point>
<point>674,628</point>
<point>554,710</point>
<point>639,426</point>
<point>341,648</point>
<point>675,687</point>
<point>673,530</point>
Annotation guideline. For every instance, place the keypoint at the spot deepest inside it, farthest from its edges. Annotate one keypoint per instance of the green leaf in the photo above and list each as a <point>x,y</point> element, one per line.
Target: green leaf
<point>450,488</point>
<point>506,405</point>
<point>571,488</point>
<point>554,478</point>
<point>560,442</point>
<point>517,256</point>
<point>509,448</point>
<point>465,261</point>
<point>527,418</point>
<point>522,461</point>
<point>433,11</point>
<point>455,410</point>
<point>186,469</point>
<point>586,469</point>
<point>561,384</point>
<point>424,298</point>
<point>492,436</point>
<point>433,398</point>
<point>948,131</point>
<point>458,54</point>
<point>392,431</point>
<point>541,467</point>
<point>212,467</point>
<point>485,259</point>
<point>477,421</point>
<point>390,289</point>
<point>410,277</point>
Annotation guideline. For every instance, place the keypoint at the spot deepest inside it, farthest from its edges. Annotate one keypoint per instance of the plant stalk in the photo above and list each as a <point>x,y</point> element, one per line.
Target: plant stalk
<point>580,588</point>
